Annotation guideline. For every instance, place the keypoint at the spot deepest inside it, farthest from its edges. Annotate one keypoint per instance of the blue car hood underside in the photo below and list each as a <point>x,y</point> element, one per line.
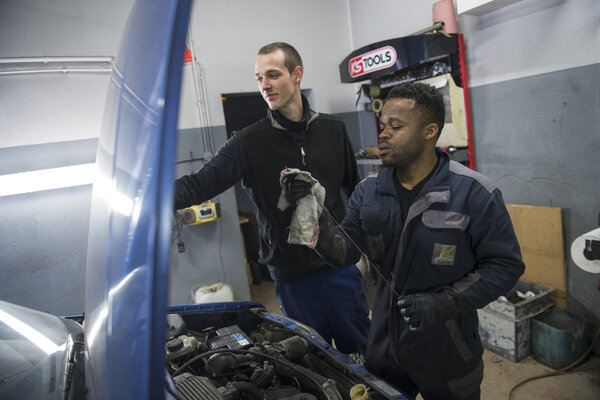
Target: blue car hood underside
<point>132,203</point>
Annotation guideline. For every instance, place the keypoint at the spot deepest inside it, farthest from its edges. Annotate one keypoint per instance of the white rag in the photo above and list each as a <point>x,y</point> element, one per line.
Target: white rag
<point>304,227</point>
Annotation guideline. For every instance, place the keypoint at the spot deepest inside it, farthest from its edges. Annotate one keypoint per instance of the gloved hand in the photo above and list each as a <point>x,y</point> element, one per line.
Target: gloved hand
<point>424,310</point>
<point>296,189</point>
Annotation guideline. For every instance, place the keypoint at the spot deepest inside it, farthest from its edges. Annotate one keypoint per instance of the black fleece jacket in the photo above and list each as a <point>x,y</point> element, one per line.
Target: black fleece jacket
<point>256,155</point>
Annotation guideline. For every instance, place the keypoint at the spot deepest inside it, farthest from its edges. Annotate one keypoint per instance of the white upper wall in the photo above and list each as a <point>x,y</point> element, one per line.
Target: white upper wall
<point>50,107</point>
<point>226,37</point>
<point>61,27</point>
<point>376,20</point>
<point>531,37</point>
<point>40,108</point>
<point>228,33</point>
<point>526,38</point>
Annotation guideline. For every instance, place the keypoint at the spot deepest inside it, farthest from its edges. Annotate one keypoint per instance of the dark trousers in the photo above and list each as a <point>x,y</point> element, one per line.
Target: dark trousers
<point>334,303</point>
<point>432,388</point>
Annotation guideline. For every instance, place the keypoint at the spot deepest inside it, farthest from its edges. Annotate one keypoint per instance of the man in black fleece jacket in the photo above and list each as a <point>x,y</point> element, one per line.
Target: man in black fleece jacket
<point>292,135</point>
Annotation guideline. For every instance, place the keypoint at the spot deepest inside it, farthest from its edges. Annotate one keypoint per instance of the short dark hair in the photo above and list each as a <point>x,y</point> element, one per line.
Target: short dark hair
<point>429,103</point>
<point>291,55</point>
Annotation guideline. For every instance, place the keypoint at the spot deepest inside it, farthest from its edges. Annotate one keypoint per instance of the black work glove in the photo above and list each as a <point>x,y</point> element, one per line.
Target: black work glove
<point>296,189</point>
<point>424,310</point>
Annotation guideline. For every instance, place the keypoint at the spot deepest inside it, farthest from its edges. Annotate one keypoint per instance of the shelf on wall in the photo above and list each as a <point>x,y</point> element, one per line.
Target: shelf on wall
<point>368,161</point>
<point>481,7</point>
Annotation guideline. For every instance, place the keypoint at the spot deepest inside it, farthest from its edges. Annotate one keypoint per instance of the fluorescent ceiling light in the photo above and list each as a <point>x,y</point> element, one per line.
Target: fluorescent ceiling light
<point>47,179</point>
<point>56,178</point>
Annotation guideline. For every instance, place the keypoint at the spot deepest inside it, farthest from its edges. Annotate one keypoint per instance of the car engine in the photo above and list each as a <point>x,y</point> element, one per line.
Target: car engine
<point>243,354</point>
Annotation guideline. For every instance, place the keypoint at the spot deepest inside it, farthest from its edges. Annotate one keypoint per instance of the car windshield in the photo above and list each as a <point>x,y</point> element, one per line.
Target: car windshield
<point>33,349</point>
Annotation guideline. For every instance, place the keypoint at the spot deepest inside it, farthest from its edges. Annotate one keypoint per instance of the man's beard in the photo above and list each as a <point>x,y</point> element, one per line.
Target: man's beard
<point>409,155</point>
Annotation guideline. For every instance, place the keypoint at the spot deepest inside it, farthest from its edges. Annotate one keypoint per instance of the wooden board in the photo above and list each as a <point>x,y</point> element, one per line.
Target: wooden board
<point>540,234</point>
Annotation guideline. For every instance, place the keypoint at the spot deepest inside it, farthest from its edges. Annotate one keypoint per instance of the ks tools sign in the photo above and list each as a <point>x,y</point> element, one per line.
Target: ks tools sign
<point>377,59</point>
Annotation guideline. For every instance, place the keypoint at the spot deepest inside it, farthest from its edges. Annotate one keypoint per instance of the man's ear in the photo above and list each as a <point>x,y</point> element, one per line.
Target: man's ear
<point>297,74</point>
<point>431,131</point>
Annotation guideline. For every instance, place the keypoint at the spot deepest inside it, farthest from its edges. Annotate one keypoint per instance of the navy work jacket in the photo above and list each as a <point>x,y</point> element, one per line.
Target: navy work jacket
<point>457,237</point>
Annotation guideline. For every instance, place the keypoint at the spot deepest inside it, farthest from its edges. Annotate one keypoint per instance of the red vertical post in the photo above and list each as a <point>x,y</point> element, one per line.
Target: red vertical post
<point>462,58</point>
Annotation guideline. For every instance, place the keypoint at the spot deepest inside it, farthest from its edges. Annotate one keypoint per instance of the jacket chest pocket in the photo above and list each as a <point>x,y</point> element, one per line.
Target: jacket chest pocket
<point>437,219</point>
<point>446,238</point>
<point>374,222</point>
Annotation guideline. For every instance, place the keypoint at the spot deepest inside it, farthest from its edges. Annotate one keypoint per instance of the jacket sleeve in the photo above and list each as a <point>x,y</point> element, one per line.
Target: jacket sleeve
<point>338,246</point>
<point>497,253</point>
<point>224,170</point>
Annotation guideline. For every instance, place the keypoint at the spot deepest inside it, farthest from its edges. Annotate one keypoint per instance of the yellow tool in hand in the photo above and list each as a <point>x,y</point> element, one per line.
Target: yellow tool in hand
<point>198,214</point>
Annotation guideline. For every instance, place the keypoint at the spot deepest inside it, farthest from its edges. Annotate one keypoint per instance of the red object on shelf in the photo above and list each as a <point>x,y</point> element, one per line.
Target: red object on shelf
<point>187,55</point>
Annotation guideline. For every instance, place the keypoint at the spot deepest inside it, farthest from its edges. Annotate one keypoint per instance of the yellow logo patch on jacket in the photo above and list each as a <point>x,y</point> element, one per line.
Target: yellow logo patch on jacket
<point>443,254</point>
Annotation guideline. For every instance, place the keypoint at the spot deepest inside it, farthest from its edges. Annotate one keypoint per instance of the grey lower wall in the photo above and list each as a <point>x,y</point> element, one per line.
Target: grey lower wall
<point>43,235</point>
<point>43,249</point>
<point>49,155</point>
<point>213,250</point>
<point>538,139</point>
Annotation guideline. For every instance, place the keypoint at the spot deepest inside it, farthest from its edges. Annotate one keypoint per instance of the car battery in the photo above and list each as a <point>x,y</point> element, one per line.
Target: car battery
<point>231,337</point>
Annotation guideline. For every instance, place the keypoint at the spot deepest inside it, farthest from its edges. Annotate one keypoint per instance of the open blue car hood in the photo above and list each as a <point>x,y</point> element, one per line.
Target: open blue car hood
<point>132,207</point>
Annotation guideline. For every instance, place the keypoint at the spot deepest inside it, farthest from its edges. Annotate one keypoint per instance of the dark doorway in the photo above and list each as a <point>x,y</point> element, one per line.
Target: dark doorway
<point>242,109</point>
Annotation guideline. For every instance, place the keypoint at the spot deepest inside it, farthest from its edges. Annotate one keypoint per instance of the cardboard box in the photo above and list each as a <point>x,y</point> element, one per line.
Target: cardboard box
<point>540,234</point>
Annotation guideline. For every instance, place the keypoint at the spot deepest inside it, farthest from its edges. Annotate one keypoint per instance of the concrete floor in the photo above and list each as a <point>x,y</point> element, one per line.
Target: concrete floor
<point>501,375</point>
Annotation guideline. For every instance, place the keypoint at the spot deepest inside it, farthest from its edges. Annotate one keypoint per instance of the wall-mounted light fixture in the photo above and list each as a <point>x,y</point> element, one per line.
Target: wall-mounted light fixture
<point>47,179</point>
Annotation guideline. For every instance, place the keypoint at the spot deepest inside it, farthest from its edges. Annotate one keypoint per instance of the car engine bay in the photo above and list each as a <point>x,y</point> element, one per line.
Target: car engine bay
<point>248,354</point>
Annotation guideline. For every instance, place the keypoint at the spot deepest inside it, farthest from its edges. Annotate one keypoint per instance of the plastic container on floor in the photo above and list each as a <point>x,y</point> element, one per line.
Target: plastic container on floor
<point>559,337</point>
<point>215,293</point>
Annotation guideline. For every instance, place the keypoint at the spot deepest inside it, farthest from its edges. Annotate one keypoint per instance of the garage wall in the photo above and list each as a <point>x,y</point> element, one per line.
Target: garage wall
<point>534,68</point>
<point>537,137</point>
<point>56,28</point>
<point>50,120</point>
<point>228,33</point>
<point>49,115</point>
<point>533,71</point>
<point>376,20</point>
<point>534,75</point>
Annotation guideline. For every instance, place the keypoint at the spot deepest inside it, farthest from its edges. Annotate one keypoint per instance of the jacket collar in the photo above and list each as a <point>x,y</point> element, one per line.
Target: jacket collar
<point>312,115</point>
<point>439,180</point>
